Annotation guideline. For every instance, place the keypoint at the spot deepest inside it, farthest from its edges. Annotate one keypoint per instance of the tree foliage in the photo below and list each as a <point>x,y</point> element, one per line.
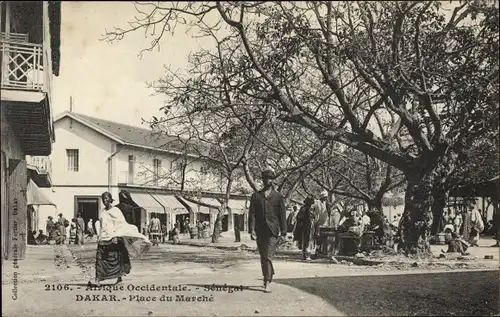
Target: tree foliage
<point>409,83</point>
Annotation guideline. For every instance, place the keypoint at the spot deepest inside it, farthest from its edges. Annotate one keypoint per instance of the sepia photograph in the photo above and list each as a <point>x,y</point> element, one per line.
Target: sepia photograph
<point>250,158</point>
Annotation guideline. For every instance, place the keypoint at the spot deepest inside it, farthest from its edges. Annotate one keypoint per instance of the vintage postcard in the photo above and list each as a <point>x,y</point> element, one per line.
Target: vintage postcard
<point>250,158</point>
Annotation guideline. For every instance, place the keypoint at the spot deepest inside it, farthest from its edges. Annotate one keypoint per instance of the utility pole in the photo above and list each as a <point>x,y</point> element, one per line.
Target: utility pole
<point>70,103</point>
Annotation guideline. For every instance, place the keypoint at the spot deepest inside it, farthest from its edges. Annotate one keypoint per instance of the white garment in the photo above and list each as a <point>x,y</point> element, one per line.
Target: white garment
<point>113,224</point>
<point>477,220</point>
<point>318,210</point>
<point>155,224</point>
<point>97,228</point>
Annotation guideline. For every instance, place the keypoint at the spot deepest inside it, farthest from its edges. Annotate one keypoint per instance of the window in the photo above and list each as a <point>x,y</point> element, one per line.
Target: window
<point>73,161</point>
<point>131,169</point>
<point>156,170</point>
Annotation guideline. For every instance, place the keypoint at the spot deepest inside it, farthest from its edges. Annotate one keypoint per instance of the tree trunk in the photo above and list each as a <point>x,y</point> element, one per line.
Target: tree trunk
<point>417,216</point>
<point>375,205</point>
<point>439,196</point>
<point>220,215</point>
<point>217,225</point>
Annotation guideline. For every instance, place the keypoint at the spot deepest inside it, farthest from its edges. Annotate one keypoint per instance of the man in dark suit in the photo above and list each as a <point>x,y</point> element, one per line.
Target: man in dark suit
<point>267,224</point>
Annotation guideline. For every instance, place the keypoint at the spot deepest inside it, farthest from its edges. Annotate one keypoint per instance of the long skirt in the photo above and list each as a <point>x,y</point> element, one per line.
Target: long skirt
<point>72,237</point>
<point>112,260</point>
<point>79,237</point>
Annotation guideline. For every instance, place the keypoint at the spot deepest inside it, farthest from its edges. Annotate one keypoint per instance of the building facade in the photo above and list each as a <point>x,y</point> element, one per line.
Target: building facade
<point>29,40</point>
<point>93,155</point>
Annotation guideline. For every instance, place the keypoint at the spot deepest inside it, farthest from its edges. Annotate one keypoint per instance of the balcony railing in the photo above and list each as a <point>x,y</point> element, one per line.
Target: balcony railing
<point>14,37</point>
<point>43,164</point>
<point>22,63</point>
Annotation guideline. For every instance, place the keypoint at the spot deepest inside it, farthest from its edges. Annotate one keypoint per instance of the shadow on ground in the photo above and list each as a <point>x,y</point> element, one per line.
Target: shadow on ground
<point>432,294</point>
<point>168,254</point>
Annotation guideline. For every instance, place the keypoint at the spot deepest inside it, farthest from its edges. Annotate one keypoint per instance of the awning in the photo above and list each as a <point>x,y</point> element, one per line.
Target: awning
<point>213,202</point>
<point>237,206</point>
<point>194,206</point>
<point>170,203</point>
<point>35,195</point>
<point>147,202</point>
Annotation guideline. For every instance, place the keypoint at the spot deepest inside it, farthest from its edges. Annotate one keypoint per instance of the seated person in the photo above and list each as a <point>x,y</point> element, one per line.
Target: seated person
<point>41,238</point>
<point>457,245</point>
<point>31,237</point>
<point>174,234</point>
<point>58,237</point>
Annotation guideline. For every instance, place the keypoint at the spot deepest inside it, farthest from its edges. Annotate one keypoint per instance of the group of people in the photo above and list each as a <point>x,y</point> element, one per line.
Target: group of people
<point>157,231</point>
<point>62,232</point>
<point>313,214</point>
<point>77,230</point>
<point>307,222</point>
<point>57,231</point>
<point>464,225</point>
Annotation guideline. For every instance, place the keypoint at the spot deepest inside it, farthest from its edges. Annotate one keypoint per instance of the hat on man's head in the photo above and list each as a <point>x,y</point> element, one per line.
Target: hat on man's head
<point>268,173</point>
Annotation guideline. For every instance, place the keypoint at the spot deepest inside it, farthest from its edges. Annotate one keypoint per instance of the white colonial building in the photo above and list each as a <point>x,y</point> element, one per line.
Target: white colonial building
<point>92,155</point>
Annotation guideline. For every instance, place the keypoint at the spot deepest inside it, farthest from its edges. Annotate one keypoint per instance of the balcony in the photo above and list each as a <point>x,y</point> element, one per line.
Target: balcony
<point>26,91</point>
<point>39,170</point>
<point>22,63</point>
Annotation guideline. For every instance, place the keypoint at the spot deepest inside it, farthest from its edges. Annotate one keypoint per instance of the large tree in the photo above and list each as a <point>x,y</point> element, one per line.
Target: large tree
<point>359,176</point>
<point>426,78</point>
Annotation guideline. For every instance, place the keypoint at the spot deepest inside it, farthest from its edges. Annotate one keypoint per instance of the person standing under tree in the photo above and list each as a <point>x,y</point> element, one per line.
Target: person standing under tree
<point>237,235</point>
<point>267,224</point>
<point>292,218</point>
<point>477,226</point>
<point>304,230</point>
<point>80,229</point>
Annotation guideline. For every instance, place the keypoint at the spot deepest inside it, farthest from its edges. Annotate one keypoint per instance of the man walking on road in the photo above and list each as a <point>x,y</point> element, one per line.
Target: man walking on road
<point>267,215</point>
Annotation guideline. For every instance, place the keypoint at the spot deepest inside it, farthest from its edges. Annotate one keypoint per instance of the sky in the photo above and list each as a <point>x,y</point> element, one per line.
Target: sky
<point>109,80</point>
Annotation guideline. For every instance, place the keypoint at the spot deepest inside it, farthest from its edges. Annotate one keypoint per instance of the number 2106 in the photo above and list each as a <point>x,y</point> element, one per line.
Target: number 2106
<point>56,287</point>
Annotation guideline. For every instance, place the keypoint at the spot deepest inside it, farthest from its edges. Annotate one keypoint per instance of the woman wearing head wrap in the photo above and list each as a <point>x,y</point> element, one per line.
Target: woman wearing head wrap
<point>117,239</point>
<point>127,205</point>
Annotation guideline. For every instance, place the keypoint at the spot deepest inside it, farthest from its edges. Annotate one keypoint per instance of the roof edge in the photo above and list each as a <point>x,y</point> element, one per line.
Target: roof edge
<point>89,125</point>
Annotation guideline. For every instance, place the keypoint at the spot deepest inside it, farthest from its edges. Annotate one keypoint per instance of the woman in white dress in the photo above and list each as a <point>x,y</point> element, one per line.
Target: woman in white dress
<point>116,240</point>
